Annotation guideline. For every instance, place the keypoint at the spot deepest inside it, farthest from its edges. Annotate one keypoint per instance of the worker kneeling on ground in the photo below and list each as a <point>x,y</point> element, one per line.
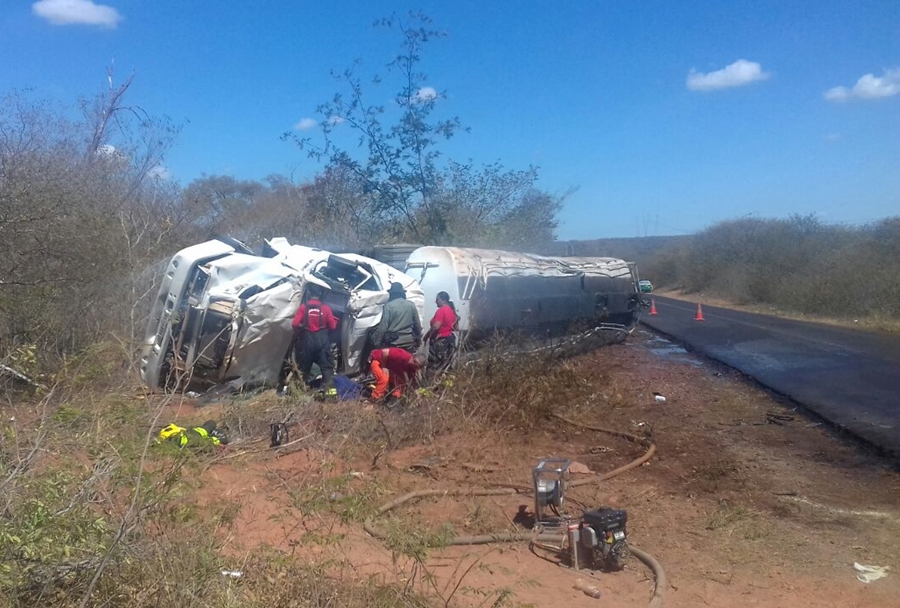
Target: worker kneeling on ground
<point>394,367</point>
<point>199,436</point>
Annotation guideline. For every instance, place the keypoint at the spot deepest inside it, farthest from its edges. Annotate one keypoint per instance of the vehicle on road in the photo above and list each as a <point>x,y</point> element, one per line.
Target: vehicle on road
<point>645,286</point>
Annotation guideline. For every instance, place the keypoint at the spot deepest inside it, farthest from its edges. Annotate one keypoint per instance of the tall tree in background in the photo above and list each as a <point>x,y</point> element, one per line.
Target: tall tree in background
<point>399,172</point>
<point>403,187</point>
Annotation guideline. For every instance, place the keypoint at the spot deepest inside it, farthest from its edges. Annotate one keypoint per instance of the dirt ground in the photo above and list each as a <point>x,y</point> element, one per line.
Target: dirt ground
<point>739,506</point>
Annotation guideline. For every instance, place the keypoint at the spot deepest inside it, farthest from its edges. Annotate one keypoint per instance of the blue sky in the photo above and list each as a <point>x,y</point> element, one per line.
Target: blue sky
<point>666,116</point>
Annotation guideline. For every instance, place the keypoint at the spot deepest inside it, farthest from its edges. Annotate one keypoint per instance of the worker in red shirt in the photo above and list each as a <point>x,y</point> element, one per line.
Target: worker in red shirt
<point>401,366</point>
<point>311,325</point>
<point>441,340</point>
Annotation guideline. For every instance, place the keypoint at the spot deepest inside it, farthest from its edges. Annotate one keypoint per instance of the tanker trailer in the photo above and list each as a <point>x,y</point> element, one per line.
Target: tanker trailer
<point>503,290</point>
<point>614,286</point>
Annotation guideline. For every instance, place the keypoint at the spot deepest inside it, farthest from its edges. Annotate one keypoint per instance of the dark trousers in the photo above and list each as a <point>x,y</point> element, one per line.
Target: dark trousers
<point>441,352</point>
<point>309,348</point>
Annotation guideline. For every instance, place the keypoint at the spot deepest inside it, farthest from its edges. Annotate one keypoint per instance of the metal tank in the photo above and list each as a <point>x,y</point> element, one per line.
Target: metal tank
<point>393,255</point>
<point>499,289</point>
<point>613,285</point>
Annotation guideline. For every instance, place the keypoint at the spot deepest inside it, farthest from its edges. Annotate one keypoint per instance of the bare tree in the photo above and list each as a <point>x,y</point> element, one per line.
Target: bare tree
<point>399,182</point>
<point>80,217</point>
<point>399,171</point>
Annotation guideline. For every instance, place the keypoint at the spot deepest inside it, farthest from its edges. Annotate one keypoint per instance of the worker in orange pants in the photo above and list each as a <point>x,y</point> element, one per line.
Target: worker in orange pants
<point>393,367</point>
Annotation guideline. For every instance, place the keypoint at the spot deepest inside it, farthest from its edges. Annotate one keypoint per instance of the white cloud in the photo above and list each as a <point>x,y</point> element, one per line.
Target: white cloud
<point>869,86</point>
<point>305,124</point>
<point>833,137</point>
<point>336,120</point>
<point>159,172</point>
<point>425,94</point>
<point>738,74</point>
<point>81,12</point>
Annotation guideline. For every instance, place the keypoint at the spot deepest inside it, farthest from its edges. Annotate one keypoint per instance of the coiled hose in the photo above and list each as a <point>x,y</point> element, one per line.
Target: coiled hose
<point>505,537</point>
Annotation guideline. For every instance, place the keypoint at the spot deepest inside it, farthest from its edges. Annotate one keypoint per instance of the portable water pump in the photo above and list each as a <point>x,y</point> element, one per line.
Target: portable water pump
<point>602,533</point>
<point>598,539</point>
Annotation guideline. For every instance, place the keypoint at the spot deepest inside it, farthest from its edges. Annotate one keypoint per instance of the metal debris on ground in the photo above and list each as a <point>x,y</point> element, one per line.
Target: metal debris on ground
<point>5,370</point>
<point>779,419</point>
<point>601,449</point>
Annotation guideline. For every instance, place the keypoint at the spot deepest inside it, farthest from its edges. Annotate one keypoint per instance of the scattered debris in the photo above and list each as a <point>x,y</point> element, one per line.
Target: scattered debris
<point>426,464</point>
<point>601,449</point>
<point>779,419</point>
<point>5,370</point>
<point>659,398</point>
<point>478,468</point>
<point>868,574</point>
<point>278,434</point>
<point>577,467</point>
<point>588,588</point>
<point>192,395</point>
<point>232,573</point>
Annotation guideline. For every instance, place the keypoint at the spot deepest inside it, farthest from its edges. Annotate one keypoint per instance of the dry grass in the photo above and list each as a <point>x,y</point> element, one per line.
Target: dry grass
<point>94,513</point>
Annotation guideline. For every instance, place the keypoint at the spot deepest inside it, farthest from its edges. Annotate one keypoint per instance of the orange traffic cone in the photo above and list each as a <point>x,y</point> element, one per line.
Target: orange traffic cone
<point>652,307</point>
<point>699,315</point>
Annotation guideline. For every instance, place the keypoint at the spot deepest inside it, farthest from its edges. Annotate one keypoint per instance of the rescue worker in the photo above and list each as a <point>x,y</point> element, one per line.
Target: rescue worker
<point>395,367</point>
<point>400,326</point>
<point>311,325</point>
<point>440,336</point>
<point>198,436</point>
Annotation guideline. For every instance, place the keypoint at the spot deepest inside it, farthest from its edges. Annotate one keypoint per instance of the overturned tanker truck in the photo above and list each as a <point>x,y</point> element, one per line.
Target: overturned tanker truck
<point>223,314</point>
<point>503,290</point>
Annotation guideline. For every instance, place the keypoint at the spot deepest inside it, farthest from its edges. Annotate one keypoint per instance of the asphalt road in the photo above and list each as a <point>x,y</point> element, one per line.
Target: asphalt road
<point>847,376</point>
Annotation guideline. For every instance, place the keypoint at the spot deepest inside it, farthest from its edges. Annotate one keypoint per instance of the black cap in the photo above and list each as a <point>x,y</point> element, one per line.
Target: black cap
<point>397,290</point>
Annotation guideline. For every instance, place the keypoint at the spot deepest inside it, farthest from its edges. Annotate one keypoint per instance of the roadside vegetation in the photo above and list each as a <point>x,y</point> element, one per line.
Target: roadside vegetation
<point>796,265</point>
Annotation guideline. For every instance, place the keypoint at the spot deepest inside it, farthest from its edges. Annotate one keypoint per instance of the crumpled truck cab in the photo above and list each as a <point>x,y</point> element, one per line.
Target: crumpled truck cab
<point>223,314</point>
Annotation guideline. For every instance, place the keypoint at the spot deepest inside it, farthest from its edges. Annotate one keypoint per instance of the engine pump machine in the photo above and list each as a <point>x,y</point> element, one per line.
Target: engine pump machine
<point>598,539</point>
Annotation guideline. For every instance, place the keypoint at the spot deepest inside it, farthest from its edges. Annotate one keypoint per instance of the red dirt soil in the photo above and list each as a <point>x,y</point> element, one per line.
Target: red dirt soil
<point>738,510</point>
